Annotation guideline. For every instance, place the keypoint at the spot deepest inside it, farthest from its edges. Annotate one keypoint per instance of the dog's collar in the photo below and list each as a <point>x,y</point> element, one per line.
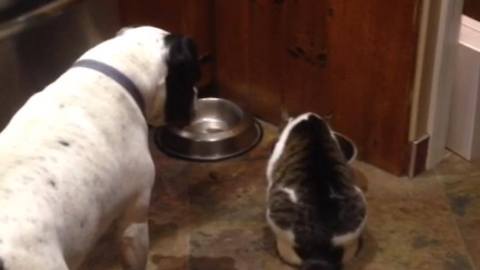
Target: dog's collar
<point>115,75</point>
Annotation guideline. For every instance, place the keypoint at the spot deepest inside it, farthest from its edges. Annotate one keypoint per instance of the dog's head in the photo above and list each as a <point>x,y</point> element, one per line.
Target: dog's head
<point>173,103</point>
<point>172,99</point>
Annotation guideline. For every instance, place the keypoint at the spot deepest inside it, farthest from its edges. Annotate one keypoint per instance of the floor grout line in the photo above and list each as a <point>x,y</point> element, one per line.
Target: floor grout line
<point>455,222</point>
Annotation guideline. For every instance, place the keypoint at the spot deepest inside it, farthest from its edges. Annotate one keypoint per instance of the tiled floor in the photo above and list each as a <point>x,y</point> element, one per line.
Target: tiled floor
<point>210,216</point>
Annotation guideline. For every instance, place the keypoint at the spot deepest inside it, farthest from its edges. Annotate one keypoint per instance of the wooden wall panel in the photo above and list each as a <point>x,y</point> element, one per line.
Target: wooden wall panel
<point>269,53</point>
<point>232,50</point>
<point>166,14</point>
<point>265,62</point>
<point>305,55</point>
<point>372,51</point>
<point>472,9</point>
<point>354,59</point>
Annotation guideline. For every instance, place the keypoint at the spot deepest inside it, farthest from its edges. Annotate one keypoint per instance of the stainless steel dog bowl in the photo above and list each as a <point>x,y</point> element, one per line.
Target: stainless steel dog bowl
<point>347,146</point>
<point>220,129</point>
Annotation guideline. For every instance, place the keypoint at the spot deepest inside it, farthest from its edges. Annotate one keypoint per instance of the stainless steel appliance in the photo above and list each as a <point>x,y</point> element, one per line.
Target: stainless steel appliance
<point>38,45</point>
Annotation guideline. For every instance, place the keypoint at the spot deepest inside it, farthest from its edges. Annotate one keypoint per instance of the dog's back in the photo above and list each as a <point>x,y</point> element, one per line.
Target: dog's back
<point>56,153</point>
<point>75,156</point>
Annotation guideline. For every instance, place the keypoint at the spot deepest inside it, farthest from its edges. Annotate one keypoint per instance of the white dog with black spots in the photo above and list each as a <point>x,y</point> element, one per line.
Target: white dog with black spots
<point>75,158</point>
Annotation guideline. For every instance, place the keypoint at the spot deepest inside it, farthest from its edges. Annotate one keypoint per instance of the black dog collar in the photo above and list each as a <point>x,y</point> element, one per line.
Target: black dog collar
<point>115,75</point>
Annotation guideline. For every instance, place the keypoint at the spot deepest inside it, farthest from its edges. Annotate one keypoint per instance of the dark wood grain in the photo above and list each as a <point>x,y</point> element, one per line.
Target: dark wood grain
<point>353,59</point>
<point>305,54</point>
<point>472,9</point>
<point>372,50</point>
<point>265,62</point>
<point>166,14</point>
<point>232,50</point>
<point>198,22</point>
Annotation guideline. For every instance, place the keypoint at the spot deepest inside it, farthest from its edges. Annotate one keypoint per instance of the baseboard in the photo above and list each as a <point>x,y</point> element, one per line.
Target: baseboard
<point>418,158</point>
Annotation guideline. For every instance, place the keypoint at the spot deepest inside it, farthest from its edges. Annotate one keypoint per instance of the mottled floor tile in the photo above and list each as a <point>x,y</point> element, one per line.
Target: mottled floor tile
<point>464,197</point>
<point>410,224</point>
<point>210,216</point>
<point>454,167</point>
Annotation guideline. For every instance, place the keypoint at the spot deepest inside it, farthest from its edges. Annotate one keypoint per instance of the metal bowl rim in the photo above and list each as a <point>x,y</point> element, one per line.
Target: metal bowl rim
<point>246,121</point>
<point>219,157</point>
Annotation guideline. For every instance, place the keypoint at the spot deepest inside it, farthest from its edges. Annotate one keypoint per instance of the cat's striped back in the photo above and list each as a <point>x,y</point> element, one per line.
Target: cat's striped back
<point>313,207</point>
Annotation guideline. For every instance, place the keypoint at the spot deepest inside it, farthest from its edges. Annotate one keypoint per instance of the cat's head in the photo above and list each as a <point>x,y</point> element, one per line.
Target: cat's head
<point>309,131</point>
<point>315,122</point>
<point>307,126</point>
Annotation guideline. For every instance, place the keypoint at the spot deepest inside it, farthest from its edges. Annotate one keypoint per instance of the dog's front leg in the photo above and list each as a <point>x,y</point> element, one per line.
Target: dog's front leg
<point>133,234</point>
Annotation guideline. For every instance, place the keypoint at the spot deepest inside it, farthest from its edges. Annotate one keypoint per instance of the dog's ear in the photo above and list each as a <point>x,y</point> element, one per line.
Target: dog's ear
<point>183,72</point>
<point>183,54</point>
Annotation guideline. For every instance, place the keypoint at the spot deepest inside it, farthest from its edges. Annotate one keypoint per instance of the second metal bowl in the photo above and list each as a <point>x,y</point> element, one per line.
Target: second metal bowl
<point>347,146</point>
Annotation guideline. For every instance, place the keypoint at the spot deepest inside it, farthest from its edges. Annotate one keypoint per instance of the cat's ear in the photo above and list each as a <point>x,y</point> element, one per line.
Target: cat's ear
<point>285,118</point>
<point>328,117</point>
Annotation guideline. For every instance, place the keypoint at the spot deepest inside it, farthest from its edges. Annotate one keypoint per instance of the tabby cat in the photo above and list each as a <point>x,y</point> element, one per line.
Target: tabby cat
<point>315,211</point>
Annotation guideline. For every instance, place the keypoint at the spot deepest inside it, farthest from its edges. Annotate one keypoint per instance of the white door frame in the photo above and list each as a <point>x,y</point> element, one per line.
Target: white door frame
<point>434,82</point>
